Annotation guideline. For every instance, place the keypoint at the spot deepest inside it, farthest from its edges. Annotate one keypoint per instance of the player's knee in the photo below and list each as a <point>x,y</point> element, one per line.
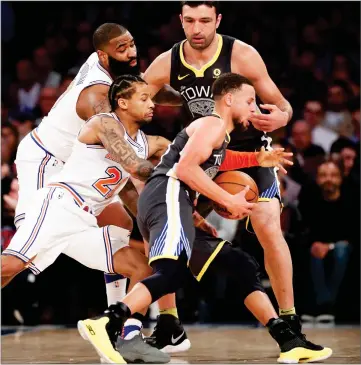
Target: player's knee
<point>167,277</point>
<point>11,265</point>
<point>246,270</point>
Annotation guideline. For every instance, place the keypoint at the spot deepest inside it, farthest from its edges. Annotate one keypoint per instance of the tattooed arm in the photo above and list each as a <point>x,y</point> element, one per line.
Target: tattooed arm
<point>129,196</point>
<point>111,134</point>
<point>93,100</point>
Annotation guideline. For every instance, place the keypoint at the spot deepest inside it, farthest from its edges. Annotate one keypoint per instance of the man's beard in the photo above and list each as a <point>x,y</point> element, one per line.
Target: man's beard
<point>118,68</point>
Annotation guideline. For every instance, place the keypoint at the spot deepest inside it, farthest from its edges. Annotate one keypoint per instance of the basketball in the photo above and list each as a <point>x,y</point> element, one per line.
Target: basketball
<point>234,182</point>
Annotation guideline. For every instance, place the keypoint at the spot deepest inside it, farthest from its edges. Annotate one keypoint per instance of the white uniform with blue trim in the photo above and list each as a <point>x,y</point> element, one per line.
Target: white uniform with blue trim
<point>62,216</point>
<point>43,152</point>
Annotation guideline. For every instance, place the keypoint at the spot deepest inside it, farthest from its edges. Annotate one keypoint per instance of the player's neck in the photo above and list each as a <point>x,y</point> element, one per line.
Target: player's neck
<point>199,57</point>
<point>129,124</point>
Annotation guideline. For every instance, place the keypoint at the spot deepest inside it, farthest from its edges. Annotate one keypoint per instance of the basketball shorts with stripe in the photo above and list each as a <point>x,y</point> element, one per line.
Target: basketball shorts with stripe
<point>35,166</point>
<point>56,225</point>
<point>165,218</point>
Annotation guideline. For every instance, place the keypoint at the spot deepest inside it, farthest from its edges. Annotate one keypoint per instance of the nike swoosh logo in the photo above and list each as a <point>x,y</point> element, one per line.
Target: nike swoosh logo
<point>182,77</point>
<point>174,340</point>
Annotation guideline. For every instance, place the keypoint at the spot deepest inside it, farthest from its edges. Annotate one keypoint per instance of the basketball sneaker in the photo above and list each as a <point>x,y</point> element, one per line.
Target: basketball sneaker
<point>169,335</point>
<point>136,350</point>
<point>103,331</point>
<point>295,349</point>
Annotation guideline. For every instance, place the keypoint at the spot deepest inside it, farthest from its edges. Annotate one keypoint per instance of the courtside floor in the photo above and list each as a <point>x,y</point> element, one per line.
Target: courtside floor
<point>210,344</point>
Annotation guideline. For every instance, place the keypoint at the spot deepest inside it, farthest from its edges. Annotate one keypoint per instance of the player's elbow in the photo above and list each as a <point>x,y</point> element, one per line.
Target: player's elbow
<point>183,170</point>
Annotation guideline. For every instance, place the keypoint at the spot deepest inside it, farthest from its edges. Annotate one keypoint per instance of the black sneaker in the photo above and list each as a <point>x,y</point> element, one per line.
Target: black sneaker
<point>169,335</point>
<point>295,348</point>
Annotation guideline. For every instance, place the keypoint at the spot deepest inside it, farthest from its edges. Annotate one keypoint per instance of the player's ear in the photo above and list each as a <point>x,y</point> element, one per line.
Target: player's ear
<point>228,98</point>
<point>123,104</point>
<point>181,19</point>
<point>218,20</point>
<point>103,57</point>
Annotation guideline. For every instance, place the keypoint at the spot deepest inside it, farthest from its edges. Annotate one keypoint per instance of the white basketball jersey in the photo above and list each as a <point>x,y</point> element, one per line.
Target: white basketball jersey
<point>91,173</point>
<point>59,129</point>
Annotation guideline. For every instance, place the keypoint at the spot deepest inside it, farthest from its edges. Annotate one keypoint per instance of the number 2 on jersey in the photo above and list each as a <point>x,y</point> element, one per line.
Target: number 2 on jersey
<point>113,179</point>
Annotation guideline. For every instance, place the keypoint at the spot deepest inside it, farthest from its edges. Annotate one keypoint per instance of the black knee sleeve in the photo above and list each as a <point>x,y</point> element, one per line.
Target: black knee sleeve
<point>168,276</point>
<point>242,267</point>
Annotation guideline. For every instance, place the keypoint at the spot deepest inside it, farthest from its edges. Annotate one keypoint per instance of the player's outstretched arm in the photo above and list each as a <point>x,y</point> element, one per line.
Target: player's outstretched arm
<point>197,150</point>
<point>157,146</point>
<point>111,134</point>
<point>93,100</point>
<point>237,160</point>
<point>157,76</point>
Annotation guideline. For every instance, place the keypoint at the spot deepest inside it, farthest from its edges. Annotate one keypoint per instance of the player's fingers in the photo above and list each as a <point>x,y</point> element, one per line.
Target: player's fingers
<point>260,117</point>
<point>286,162</point>
<point>282,168</point>
<point>279,149</point>
<point>268,106</point>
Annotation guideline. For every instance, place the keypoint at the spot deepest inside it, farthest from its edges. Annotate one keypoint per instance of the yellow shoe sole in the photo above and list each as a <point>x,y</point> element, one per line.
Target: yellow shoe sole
<point>302,355</point>
<point>93,330</point>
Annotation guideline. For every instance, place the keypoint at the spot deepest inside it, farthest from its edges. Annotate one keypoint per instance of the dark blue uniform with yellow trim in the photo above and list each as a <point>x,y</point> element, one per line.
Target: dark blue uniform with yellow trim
<point>165,206</point>
<point>195,85</point>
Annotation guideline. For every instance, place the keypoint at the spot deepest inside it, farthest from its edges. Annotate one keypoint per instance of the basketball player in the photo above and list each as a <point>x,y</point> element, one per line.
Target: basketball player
<point>165,210</point>
<point>62,216</point>
<point>43,152</point>
<point>191,67</point>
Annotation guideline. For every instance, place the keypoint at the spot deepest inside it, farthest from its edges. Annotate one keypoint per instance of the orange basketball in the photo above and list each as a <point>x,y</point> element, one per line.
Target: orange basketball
<point>234,182</point>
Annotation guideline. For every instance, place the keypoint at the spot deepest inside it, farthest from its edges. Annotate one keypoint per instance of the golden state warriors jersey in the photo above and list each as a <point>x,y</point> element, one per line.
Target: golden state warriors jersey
<point>195,86</point>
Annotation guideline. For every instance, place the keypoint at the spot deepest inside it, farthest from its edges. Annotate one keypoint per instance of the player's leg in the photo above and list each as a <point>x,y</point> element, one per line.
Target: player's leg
<point>165,221</point>
<point>33,236</point>
<point>115,214</point>
<point>243,269</point>
<point>107,249</point>
<point>35,166</point>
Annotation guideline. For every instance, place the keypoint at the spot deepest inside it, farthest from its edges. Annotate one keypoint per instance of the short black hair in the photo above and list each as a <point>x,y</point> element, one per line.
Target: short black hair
<point>122,87</point>
<point>228,82</point>
<point>104,33</point>
<point>194,4</point>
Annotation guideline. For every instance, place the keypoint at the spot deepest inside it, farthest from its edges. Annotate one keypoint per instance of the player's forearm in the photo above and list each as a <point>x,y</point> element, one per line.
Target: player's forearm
<point>168,96</point>
<point>198,181</point>
<point>237,160</point>
<point>285,106</point>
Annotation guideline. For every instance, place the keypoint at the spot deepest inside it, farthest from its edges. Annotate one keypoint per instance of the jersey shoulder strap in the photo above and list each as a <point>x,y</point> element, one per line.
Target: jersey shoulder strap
<point>175,64</point>
<point>227,50</point>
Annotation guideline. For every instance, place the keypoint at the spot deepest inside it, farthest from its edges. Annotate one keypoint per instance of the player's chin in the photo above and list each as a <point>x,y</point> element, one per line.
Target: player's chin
<point>148,118</point>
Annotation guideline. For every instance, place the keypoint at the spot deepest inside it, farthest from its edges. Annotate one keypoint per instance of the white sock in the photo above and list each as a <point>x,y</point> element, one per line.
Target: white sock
<point>153,311</point>
<point>132,328</point>
<point>115,286</point>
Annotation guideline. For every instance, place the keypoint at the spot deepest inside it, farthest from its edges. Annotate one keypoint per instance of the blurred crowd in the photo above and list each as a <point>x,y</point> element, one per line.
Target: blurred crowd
<point>312,52</point>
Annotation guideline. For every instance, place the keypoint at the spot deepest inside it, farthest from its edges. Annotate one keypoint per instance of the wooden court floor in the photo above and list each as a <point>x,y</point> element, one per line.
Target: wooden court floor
<point>209,345</point>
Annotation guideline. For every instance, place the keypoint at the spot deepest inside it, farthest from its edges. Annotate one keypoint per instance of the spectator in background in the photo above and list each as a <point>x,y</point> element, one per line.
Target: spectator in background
<point>337,116</point>
<point>355,120</point>
<point>313,114</point>
<point>44,69</point>
<point>24,123</point>
<point>47,99</point>
<point>329,232</point>
<point>24,93</point>
<point>308,155</point>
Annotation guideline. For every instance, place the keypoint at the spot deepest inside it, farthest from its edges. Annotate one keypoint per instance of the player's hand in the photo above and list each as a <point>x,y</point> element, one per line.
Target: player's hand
<point>269,122</point>
<point>239,206</point>
<point>205,226</point>
<point>276,157</point>
<point>319,250</point>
